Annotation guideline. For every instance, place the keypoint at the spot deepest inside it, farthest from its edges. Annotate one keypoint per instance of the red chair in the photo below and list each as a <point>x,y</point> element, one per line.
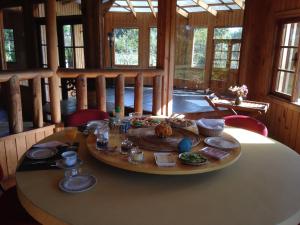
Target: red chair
<point>12,212</point>
<point>246,122</point>
<point>81,117</point>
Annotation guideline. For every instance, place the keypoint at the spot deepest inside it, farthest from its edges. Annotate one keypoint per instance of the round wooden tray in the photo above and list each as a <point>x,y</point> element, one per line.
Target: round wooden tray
<point>115,159</point>
<point>145,138</point>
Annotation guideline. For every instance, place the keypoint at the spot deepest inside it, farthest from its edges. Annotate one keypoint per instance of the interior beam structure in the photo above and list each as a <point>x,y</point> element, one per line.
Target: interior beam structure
<point>151,7</point>
<point>131,7</point>
<point>205,6</point>
<point>240,3</point>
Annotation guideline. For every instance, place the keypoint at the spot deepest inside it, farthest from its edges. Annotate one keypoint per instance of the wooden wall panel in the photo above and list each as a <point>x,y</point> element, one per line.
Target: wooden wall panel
<point>283,118</point>
<point>14,146</point>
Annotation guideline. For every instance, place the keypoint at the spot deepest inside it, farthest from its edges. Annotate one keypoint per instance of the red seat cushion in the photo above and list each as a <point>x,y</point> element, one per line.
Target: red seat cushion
<point>12,212</point>
<point>81,117</point>
<point>246,122</point>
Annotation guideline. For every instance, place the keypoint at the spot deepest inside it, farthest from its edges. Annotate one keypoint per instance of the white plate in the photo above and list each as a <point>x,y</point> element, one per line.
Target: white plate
<point>78,183</point>
<point>41,153</point>
<point>221,142</point>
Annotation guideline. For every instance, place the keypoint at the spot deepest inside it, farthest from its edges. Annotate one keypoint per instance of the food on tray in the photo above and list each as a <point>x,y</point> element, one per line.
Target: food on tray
<point>144,122</point>
<point>163,130</point>
<point>180,122</point>
<point>192,158</point>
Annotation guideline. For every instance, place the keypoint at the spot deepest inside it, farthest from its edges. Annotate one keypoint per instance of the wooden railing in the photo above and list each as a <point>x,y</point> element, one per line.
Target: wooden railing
<point>120,75</point>
<point>12,79</point>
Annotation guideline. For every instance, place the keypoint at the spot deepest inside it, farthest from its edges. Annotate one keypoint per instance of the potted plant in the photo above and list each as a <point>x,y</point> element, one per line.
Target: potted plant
<point>240,93</point>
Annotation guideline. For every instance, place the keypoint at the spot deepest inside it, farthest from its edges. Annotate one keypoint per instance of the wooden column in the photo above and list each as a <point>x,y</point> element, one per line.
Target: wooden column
<point>52,55</point>
<point>3,65</point>
<point>101,93</point>
<point>91,27</point>
<point>81,92</point>
<point>38,120</point>
<point>15,112</point>
<point>166,50</point>
<point>138,93</point>
<point>119,93</point>
<point>157,91</point>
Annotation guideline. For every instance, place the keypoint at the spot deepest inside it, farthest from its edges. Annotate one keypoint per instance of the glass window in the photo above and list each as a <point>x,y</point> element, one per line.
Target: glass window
<point>126,46</point>
<point>153,47</point>
<point>228,33</point>
<point>9,45</point>
<point>199,47</point>
<point>288,50</point>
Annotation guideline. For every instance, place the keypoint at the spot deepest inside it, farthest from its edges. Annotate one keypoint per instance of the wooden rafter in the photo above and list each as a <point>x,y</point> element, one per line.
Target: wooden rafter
<point>151,7</point>
<point>240,3</point>
<point>182,12</point>
<point>106,6</point>
<point>131,7</point>
<point>202,4</point>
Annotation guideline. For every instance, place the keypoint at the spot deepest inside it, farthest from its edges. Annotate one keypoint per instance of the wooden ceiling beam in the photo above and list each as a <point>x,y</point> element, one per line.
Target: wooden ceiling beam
<point>182,12</point>
<point>151,7</point>
<point>131,7</point>
<point>106,6</point>
<point>240,3</point>
<point>203,5</point>
<point>15,3</point>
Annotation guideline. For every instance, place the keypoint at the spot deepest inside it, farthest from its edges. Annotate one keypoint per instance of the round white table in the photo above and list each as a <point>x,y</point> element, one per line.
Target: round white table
<point>262,187</point>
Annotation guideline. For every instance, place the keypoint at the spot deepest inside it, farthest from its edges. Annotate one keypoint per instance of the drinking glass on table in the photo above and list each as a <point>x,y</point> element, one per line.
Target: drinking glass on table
<point>70,134</point>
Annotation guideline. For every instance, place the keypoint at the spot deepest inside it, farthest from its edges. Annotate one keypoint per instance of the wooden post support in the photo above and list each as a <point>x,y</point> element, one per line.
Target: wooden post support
<point>119,93</point>
<point>138,93</point>
<point>156,102</point>
<point>101,93</point>
<point>37,102</point>
<point>81,92</point>
<point>52,55</point>
<point>15,112</point>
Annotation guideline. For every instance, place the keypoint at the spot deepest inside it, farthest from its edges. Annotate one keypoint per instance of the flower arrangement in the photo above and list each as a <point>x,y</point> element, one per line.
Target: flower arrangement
<point>241,91</point>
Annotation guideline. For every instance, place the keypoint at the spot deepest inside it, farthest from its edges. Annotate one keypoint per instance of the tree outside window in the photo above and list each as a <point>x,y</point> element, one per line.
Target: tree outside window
<point>9,45</point>
<point>153,47</point>
<point>126,46</point>
<point>199,48</point>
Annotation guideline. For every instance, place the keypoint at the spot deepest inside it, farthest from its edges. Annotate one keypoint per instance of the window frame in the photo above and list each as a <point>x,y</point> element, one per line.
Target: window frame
<point>275,67</point>
<point>113,49</point>
<point>14,42</point>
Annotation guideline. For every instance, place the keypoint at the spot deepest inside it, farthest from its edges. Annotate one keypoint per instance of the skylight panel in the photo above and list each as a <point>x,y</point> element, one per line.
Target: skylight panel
<point>228,1</point>
<point>121,3</point>
<point>139,3</point>
<point>118,9</point>
<point>219,7</point>
<point>194,9</point>
<point>154,3</point>
<point>212,1</point>
<point>142,10</point>
<point>234,6</point>
<point>185,3</point>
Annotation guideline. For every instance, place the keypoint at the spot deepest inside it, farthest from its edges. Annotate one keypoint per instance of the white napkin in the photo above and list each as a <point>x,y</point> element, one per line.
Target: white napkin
<point>49,144</point>
<point>214,124</point>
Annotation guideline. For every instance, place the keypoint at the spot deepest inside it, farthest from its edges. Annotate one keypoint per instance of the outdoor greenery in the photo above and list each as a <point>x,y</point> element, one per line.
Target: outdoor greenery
<point>199,47</point>
<point>9,45</point>
<point>126,46</point>
<point>153,46</point>
<point>68,43</point>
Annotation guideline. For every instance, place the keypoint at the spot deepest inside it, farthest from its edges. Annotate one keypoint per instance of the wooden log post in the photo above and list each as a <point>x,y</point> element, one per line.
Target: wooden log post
<point>81,92</point>
<point>119,93</point>
<point>38,120</point>
<point>15,112</point>
<point>52,56</point>
<point>101,93</point>
<point>156,100</point>
<point>139,93</point>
